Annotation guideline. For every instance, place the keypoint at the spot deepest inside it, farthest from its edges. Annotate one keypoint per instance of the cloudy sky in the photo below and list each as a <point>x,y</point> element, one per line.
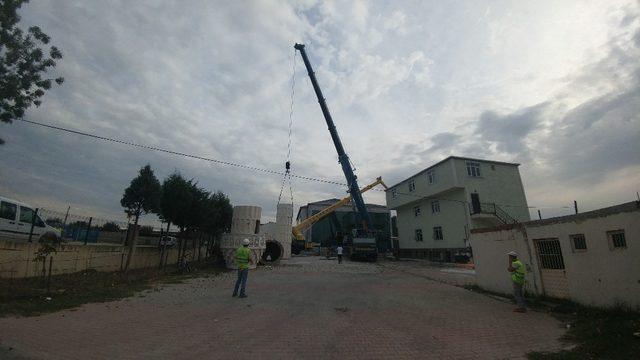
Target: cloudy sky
<point>553,85</point>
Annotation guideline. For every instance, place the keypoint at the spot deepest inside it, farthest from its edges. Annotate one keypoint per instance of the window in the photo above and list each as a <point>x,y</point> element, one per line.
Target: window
<point>412,185</point>
<point>578,242</point>
<point>26,215</point>
<point>431,177</point>
<point>417,211</point>
<point>473,169</point>
<point>437,233</point>
<point>435,207</point>
<point>418,234</point>
<point>394,193</point>
<point>616,239</point>
<point>549,254</point>
<point>8,210</point>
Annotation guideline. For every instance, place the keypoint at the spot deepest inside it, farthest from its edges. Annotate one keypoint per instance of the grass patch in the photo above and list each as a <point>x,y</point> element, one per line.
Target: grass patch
<point>596,333</point>
<point>29,296</point>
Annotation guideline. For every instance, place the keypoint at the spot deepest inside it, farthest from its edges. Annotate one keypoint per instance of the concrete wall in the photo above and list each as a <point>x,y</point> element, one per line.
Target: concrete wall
<point>16,258</point>
<point>445,179</point>
<point>452,219</point>
<point>499,183</point>
<point>599,276</point>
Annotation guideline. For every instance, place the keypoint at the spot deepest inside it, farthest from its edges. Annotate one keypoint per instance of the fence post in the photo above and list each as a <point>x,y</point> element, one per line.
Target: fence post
<point>86,235</point>
<point>33,222</point>
<point>49,278</point>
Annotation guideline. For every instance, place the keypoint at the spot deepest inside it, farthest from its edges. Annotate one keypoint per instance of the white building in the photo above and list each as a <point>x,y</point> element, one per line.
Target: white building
<point>592,258</point>
<point>438,206</point>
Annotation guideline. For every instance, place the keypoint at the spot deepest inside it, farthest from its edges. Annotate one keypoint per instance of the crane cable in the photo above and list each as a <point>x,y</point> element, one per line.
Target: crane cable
<point>287,164</point>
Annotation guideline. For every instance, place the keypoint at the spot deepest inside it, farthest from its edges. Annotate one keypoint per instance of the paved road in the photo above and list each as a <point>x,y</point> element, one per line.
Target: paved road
<point>309,308</point>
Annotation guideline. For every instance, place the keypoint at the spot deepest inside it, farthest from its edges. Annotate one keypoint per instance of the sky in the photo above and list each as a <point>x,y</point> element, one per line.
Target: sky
<point>552,85</point>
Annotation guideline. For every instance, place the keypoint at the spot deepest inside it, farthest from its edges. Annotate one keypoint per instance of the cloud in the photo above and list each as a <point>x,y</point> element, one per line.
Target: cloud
<point>509,132</point>
<point>407,84</point>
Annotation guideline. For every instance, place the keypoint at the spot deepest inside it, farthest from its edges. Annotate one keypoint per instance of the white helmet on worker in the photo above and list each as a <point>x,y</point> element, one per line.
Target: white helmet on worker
<point>245,242</point>
<point>512,253</point>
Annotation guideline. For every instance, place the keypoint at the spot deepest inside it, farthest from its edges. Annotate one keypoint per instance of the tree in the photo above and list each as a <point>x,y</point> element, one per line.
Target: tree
<point>110,226</point>
<point>23,63</point>
<point>141,197</point>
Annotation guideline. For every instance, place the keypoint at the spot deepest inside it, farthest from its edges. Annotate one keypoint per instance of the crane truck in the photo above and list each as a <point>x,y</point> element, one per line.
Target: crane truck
<point>362,242</point>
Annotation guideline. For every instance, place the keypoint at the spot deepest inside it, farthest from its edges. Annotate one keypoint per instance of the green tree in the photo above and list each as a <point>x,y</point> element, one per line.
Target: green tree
<point>110,226</point>
<point>23,63</point>
<point>175,200</point>
<point>141,197</point>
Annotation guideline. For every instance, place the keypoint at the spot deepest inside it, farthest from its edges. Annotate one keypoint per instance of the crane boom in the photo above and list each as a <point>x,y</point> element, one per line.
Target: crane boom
<point>352,181</point>
<point>297,230</point>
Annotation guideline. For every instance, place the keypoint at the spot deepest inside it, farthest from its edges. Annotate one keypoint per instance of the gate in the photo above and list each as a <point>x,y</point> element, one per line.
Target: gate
<point>552,271</point>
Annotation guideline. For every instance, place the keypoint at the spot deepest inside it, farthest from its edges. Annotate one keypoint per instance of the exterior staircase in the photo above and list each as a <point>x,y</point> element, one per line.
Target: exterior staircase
<point>495,210</point>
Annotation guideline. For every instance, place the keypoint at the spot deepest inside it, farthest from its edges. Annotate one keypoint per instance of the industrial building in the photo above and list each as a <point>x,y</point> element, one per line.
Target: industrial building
<point>437,207</point>
<point>340,222</point>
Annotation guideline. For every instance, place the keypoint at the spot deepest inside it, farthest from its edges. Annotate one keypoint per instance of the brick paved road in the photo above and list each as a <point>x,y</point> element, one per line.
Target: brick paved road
<point>311,308</point>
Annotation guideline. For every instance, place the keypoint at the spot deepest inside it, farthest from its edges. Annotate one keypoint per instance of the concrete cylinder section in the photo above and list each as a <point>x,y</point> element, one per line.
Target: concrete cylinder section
<point>284,217</point>
<point>246,219</point>
<point>231,242</point>
<point>245,224</point>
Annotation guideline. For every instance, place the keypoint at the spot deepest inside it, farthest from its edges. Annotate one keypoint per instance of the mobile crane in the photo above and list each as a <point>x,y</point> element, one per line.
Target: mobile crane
<point>362,242</point>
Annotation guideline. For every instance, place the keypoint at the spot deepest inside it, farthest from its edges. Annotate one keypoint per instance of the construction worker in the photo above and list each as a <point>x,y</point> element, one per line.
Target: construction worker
<point>517,270</point>
<point>243,258</point>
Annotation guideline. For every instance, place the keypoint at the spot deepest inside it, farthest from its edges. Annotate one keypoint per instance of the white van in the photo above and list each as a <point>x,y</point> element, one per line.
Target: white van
<point>15,223</point>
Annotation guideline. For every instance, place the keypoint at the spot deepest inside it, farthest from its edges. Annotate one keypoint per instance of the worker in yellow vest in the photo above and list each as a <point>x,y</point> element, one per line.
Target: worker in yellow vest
<point>243,258</point>
<point>517,270</point>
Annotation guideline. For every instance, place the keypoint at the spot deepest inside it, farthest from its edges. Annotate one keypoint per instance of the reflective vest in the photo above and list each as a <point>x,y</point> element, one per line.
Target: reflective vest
<point>242,257</point>
<point>518,275</point>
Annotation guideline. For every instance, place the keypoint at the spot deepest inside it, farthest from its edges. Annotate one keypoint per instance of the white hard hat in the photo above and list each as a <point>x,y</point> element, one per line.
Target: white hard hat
<point>512,253</point>
<point>245,242</point>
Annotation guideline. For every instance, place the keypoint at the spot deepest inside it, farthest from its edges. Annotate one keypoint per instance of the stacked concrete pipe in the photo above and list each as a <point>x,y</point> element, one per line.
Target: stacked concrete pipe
<point>245,224</point>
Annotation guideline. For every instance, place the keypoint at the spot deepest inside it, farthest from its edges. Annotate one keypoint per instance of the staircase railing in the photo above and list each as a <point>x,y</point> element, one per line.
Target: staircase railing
<point>495,210</point>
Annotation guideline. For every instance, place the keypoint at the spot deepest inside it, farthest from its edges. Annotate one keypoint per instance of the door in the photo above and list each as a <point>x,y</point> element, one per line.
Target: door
<point>475,203</point>
<point>8,225</point>
<point>552,271</point>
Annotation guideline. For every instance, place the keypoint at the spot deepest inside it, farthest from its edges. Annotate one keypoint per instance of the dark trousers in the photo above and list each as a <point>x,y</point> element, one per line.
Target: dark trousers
<point>518,294</point>
<point>241,282</point>
<point>339,258</point>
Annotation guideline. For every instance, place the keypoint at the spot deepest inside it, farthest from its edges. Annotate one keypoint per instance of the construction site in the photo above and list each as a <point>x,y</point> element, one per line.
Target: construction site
<point>469,229</point>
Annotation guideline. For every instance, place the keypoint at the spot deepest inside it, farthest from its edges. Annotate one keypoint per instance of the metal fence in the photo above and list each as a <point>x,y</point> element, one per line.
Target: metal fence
<point>33,225</point>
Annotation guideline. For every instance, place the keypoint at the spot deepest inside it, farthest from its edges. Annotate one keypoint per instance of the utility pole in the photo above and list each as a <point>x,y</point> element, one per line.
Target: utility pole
<point>66,216</point>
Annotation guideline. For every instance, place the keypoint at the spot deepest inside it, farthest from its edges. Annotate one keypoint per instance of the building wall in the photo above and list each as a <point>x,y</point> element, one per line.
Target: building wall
<point>324,230</point>
<point>452,219</point>
<point>598,276</point>
<point>498,183</point>
<point>16,258</point>
<point>445,179</point>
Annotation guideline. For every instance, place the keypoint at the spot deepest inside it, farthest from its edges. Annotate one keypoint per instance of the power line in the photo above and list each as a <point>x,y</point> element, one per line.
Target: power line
<point>217,161</point>
<point>244,166</point>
